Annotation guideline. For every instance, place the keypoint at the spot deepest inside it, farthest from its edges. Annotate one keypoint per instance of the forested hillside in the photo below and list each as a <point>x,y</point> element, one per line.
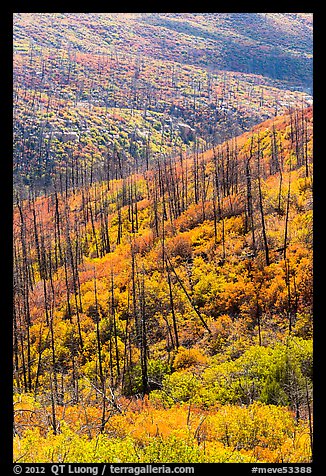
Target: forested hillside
<point>162,238</point>
<point>191,284</point>
<point>278,46</point>
<point>119,86</point>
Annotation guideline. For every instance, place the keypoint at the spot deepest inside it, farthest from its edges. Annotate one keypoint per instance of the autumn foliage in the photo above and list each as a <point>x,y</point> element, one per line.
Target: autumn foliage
<point>162,279</point>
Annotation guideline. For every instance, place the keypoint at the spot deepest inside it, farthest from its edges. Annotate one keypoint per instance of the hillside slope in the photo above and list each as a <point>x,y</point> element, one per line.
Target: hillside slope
<point>166,316</point>
<point>276,45</point>
<point>142,85</point>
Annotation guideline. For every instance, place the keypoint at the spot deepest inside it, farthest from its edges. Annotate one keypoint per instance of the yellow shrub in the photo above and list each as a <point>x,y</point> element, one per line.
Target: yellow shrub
<point>186,358</point>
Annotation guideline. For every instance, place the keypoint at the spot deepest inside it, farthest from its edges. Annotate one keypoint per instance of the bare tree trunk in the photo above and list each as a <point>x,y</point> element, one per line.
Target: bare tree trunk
<point>249,199</point>
<point>115,334</point>
<point>174,320</point>
<point>99,355</point>
<point>287,212</point>
<point>261,206</point>
<point>189,298</point>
